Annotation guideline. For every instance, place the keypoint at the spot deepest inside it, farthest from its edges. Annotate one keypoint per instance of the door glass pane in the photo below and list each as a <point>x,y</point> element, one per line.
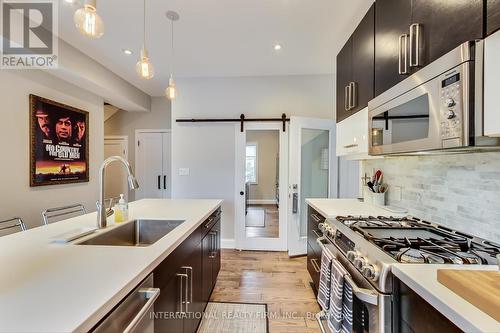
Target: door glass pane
<point>406,122</point>
<point>314,170</point>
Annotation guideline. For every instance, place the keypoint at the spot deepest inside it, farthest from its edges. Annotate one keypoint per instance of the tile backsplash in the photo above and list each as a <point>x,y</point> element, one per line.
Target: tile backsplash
<point>458,191</point>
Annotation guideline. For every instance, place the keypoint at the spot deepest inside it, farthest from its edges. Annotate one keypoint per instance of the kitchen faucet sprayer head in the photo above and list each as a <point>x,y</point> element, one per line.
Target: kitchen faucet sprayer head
<point>132,182</point>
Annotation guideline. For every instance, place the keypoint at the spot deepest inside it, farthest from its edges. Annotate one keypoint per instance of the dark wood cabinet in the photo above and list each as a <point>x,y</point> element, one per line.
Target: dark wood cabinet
<point>363,60</point>
<point>211,259</point>
<point>181,279</point>
<point>344,74</point>
<point>355,76</point>
<point>444,25</point>
<point>196,304</point>
<point>409,34</point>
<point>392,21</point>
<point>492,16</point>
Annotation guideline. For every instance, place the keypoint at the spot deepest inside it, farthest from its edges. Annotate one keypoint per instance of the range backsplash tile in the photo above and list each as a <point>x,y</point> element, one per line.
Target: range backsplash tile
<point>458,191</point>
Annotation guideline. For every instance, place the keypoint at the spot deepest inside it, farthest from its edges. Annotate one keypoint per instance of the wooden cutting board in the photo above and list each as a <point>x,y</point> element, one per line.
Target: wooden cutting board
<point>480,288</point>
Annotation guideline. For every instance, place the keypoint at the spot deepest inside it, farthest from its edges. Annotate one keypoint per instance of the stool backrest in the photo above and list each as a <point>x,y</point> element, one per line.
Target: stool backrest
<point>11,226</point>
<point>61,213</point>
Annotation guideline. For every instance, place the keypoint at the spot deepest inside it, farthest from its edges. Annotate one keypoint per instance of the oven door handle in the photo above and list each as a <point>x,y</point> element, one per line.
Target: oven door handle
<point>363,294</point>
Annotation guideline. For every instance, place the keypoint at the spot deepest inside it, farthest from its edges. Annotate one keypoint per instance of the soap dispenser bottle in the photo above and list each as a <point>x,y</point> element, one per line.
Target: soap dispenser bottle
<point>121,210</point>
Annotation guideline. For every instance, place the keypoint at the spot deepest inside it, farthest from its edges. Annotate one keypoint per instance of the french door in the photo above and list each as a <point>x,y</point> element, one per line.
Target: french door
<point>313,173</point>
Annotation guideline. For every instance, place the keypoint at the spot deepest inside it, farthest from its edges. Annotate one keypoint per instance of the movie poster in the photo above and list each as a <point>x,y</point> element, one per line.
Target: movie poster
<point>59,143</point>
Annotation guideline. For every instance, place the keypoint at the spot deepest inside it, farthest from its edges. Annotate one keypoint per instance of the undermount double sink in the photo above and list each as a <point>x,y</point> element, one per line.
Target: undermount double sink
<point>141,233</point>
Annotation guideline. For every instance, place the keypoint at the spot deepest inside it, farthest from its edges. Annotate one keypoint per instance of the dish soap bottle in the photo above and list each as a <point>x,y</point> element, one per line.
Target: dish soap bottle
<point>121,210</point>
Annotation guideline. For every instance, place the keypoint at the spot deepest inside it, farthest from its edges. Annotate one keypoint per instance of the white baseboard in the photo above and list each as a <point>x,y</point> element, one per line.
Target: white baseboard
<point>262,202</point>
<point>227,243</point>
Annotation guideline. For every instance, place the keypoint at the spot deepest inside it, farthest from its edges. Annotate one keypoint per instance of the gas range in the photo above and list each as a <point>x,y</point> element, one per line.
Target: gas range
<point>373,244</point>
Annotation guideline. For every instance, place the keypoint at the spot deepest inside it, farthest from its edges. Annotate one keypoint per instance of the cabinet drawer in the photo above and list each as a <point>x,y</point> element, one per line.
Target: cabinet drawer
<point>213,219</point>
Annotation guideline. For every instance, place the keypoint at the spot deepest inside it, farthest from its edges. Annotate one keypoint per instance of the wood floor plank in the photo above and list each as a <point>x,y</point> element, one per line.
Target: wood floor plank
<point>272,278</point>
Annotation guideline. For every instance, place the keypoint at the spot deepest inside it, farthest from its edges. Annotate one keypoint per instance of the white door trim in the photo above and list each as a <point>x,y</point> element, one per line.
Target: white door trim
<point>270,244</point>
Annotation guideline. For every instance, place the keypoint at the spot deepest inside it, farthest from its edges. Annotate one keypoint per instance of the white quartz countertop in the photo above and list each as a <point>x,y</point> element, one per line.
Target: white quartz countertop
<point>49,287</point>
<point>331,208</point>
<point>423,280</point>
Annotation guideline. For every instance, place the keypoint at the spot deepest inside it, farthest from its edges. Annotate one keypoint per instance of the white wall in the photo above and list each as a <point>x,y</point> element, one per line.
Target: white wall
<point>208,149</point>
<point>16,196</point>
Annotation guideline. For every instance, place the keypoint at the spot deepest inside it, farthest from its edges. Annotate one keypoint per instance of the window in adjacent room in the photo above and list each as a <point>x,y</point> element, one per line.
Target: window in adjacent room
<point>251,163</point>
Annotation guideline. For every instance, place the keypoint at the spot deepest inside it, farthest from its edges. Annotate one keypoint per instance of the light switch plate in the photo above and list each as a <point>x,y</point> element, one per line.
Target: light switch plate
<point>183,171</point>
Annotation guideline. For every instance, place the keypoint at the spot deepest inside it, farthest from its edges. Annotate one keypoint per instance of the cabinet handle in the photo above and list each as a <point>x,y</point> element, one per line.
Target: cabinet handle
<point>346,98</point>
<point>315,265</point>
<point>159,181</point>
<point>212,247</point>
<point>315,218</point>
<point>164,182</point>
<point>190,278</point>
<point>403,50</point>
<point>353,95</point>
<point>181,299</point>
<point>210,220</point>
<point>351,145</point>
<point>415,40</point>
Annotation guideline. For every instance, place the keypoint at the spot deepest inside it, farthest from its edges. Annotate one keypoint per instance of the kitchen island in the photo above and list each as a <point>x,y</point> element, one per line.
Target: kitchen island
<point>52,287</point>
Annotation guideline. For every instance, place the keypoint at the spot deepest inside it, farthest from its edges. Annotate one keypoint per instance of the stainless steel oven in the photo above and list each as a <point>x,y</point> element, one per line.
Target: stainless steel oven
<point>372,309</point>
<point>438,108</point>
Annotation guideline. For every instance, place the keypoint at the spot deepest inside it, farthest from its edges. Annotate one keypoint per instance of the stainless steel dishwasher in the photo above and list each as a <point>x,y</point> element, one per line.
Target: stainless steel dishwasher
<point>134,314</point>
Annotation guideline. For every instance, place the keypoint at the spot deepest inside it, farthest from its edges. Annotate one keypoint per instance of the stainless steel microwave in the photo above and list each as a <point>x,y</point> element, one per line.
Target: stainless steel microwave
<point>437,109</point>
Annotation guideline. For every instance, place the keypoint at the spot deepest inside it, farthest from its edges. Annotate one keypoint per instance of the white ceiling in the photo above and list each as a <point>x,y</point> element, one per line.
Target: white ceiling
<point>217,38</point>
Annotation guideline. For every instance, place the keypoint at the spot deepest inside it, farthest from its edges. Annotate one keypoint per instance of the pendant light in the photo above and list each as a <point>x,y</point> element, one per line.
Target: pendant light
<point>144,68</point>
<point>171,90</point>
<point>87,21</point>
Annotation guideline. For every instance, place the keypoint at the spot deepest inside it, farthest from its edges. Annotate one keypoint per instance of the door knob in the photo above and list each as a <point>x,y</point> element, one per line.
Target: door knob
<point>242,193</point>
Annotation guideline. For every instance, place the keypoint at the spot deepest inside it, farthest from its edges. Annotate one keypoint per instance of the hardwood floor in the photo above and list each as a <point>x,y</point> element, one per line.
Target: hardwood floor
<point>271,227</point>
<point>272,278</point>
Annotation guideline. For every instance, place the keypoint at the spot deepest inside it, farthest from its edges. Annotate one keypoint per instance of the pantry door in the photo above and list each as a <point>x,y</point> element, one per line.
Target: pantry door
<point>152,163</point>
<point>313,173</point>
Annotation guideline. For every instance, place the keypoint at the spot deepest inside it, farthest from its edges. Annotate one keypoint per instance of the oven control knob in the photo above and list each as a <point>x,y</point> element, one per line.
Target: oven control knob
<point>351,255</point>
<point>321,227</point>
<point>450,102</point>
<point>359,262</point>
<point>369,272</point>
<point>451,114</point>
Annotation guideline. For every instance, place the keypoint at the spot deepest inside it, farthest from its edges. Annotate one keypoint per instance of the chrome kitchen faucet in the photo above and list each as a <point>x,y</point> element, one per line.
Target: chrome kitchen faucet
<point>132,183</point>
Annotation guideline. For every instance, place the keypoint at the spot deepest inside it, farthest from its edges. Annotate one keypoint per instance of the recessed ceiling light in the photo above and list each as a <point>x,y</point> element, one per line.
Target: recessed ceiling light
<point>127,51</point>
<point>277,47</point>
<point>69,1</point>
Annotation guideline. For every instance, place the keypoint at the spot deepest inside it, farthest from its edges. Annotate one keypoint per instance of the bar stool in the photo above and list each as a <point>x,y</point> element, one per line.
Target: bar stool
<point>9,226</point>
<point>60,213</point>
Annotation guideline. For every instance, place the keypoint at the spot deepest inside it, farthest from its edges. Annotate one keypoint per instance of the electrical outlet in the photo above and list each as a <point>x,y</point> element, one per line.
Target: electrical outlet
<point>183,171</point>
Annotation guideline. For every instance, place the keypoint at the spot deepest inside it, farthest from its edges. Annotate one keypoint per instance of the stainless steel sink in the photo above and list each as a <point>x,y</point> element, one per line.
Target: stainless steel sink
<point>136,233</point>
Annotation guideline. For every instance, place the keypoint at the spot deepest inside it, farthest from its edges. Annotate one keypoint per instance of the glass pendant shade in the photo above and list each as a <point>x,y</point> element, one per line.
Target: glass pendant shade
<point>171,90</point>
<point>87,21</point>
<point>144,67</point>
